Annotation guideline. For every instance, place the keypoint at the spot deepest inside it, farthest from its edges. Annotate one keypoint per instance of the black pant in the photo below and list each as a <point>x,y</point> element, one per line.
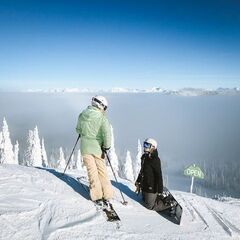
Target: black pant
<point>150,201</point>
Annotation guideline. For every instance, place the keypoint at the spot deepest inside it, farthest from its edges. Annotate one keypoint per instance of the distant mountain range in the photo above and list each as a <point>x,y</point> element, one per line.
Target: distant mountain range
<point>179,92</point>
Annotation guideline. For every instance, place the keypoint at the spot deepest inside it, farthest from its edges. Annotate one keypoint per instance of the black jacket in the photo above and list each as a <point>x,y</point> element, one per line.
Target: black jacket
<point>150,176</point>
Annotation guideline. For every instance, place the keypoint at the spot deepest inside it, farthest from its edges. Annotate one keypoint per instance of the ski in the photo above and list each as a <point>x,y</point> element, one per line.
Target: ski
<point>174,213</point>
<point>111,214</point>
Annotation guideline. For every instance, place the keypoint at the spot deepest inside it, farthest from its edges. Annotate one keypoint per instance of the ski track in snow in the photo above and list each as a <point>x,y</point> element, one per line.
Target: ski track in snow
<point>194,213</point>
<point>230,228</point>
<point>200,215</point>
<point>187,206</point>
<point>38,204</point>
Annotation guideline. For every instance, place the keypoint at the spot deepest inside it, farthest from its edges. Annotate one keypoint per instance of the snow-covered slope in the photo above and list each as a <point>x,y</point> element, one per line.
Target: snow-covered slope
<point>43,204</point>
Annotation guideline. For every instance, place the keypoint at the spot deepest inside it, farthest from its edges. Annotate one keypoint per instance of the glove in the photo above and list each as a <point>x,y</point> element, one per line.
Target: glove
<point>104,152</point>
<point>104,149</point>
<point>103,155</point>
<point>138,188</point>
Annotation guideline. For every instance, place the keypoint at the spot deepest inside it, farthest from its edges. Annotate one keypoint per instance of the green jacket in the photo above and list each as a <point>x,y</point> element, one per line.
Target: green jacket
<point>95,131</point>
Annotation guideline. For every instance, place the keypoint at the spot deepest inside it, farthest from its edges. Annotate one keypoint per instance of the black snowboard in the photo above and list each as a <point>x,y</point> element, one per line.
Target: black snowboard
<point>174,213</point>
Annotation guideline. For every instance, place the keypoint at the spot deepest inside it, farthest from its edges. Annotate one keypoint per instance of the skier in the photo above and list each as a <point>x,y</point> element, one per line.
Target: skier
<point>94,129</point>
<point>149,180</point>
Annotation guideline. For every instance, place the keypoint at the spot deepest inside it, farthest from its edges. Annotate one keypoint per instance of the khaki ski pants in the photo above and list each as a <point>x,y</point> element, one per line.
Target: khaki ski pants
<point>99,183</point>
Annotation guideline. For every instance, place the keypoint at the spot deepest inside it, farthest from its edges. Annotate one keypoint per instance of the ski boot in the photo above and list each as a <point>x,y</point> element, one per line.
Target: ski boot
<point>106,204</point>
<point>99,204</point>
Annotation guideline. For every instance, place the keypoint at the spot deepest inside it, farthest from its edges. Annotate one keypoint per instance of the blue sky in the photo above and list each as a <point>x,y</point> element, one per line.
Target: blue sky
<point>105,44</point>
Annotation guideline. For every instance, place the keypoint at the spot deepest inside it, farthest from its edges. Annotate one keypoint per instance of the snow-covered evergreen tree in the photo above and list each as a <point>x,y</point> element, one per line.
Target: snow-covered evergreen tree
<point>61,160</point>
<point>79,162</point>
<point>112,154</point>
<point>6,151</point>
<point>33,154</point>
<point>79,165</point>
<point>37,150</point>
<point>44,155</point>
<point>28,155</point>
<point>127,169</point>
<point>52,160</point>
<point>72,162</point>
<point>137,163</point>
<point>16,152</point>
<point>1,147</point>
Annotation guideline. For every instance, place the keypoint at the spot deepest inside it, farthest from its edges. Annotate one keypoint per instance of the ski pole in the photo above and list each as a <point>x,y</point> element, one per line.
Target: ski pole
<point>124,201</point>
<point>71,154</point>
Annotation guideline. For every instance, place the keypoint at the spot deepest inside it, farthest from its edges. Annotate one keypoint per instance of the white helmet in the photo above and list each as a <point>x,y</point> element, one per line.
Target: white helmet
<point>149,144</point>
<point>100,102</point>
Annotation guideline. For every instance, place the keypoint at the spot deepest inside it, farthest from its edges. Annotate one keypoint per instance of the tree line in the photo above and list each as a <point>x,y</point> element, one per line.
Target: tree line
<point>35,155</point>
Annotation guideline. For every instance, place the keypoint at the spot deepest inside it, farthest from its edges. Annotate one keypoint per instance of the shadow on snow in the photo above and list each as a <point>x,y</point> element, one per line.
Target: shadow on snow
<point>126,191</point>
<point>78,187</point>
<point>82,187</point>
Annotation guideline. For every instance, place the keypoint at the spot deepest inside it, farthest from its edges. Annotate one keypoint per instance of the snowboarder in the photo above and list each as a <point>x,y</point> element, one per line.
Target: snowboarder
<point>149,180</point>
<point>94,129</point>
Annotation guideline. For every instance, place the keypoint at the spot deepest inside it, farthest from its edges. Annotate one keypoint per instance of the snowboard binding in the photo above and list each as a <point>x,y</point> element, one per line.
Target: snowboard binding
<point>174,212</point>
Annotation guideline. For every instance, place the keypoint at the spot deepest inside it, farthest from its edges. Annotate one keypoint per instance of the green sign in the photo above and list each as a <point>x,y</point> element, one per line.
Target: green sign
<point>194,171</point>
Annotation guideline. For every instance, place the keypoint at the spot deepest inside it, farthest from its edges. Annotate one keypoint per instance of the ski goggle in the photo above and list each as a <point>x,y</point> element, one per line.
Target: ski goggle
<point>96,100</point>
<point>147,145</point>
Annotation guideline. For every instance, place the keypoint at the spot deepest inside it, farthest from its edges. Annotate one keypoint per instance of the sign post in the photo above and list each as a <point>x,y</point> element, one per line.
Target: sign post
<point>193,171</point>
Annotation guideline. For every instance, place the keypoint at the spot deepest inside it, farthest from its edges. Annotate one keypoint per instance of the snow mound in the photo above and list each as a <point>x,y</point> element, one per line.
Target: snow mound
<point>38,203</point>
